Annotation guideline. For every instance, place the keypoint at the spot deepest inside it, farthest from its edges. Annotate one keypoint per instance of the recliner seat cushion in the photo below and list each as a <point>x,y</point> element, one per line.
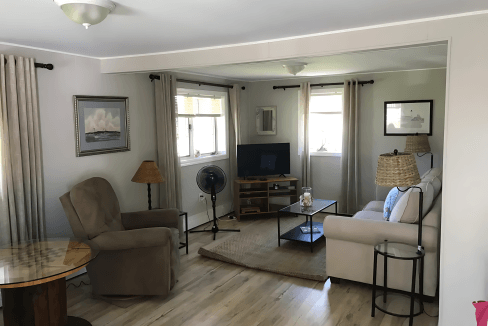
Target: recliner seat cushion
<point>97,206</point>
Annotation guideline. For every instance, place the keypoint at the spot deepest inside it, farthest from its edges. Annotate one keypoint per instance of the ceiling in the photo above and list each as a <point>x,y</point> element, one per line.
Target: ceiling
<point>152,26</point>
<point>411,58</point>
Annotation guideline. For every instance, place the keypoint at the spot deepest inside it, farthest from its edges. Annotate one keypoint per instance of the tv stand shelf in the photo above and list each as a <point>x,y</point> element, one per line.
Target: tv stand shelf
<point>257,193</point>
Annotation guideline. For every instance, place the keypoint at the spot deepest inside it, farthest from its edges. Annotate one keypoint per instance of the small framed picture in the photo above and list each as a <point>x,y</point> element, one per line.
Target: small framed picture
<point>404,118</point>
<point>101,124</point>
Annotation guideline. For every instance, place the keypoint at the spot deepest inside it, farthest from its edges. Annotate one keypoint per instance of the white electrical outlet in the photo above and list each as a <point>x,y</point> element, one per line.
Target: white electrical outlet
<point>201,197</point>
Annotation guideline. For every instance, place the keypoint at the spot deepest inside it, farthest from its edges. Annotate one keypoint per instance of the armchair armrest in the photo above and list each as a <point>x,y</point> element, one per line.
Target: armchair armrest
<point>133,239</point>
<point>149,219</point>
<point>372,232</point>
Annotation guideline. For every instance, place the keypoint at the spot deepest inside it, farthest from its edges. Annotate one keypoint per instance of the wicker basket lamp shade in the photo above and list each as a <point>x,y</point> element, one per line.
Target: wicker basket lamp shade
<point>148,172</point>
<point>417,144</point>
<point>397,170</point>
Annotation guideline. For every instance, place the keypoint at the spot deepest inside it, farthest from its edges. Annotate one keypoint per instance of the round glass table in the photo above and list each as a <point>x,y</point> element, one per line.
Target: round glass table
<point>33,283</point>
<point>394,303</point>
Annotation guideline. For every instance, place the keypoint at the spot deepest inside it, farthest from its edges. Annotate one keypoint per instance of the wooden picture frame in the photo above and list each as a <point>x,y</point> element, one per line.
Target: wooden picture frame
<point>101,124</point>
<point>403,118</point>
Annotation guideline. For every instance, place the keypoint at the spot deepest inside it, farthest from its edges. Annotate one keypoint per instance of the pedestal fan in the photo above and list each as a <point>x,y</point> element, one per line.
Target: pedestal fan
<point>211,179</point>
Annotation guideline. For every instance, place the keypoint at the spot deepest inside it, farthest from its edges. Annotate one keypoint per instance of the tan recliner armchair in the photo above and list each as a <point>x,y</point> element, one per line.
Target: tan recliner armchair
<point>139,252</point>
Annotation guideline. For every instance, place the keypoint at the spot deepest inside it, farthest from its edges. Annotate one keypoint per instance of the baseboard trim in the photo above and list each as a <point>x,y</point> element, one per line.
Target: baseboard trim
<point>336,280</point>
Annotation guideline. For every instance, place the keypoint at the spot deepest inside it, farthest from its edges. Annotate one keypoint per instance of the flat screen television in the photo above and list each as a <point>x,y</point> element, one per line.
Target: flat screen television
<point>263,159</point>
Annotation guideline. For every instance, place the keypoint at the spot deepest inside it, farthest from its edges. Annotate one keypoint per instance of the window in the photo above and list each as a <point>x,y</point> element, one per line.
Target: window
<point>201,126</point>
<point>325,123</point>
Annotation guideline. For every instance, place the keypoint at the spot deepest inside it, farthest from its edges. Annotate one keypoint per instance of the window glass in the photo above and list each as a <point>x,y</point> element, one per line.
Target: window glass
<point>325,125</point>
<point>204,134</point>
<point>183,136</point>
<point>221,135</point>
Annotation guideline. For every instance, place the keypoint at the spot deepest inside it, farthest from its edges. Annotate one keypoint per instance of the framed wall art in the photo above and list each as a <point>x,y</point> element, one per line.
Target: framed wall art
<point>266,120</point>
<point>404,118</point>
<point>101,124</point>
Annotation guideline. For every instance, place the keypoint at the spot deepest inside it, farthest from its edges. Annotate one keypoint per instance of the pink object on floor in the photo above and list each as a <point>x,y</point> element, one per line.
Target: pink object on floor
<point>481,312</point>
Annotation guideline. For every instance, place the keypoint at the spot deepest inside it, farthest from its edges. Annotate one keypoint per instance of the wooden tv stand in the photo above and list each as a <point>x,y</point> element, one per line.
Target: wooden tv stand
<point>260,193</point>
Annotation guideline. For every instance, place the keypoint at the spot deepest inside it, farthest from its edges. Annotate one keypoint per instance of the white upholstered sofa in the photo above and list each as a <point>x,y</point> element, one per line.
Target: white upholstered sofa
<point>350,243</point>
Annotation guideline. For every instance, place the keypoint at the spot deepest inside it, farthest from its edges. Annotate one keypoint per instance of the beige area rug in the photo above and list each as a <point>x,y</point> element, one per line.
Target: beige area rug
<point>256,246</point>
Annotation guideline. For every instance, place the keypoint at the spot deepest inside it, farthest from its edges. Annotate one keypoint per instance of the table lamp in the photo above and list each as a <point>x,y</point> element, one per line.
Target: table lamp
<point>148,173</point>
<point>419,144</point>
<point>400,170</point>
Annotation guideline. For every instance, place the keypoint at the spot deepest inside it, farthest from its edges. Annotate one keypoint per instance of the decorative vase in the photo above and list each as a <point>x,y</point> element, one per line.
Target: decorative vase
<point>306,198</point>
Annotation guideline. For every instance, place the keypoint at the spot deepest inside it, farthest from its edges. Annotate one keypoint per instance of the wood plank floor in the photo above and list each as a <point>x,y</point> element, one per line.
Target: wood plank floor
<point>211,292</point>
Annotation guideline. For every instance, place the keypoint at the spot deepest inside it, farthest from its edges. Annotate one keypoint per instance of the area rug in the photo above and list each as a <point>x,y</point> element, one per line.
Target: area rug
<point>256,246</point>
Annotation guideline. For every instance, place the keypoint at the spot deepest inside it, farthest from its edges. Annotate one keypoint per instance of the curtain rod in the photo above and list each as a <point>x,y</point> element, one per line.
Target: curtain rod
<point>362,83</point>
<point>153,77</point>
<point>48,66</point>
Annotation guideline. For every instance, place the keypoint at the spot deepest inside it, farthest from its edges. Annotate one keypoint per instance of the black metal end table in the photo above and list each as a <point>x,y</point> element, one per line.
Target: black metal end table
<point>400,251</point>
<point>296,233</point>
<point>185,244</point>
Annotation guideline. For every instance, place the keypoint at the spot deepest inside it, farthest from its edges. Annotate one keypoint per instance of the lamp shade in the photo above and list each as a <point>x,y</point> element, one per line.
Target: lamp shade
<point>397,170</point>
<point>148,172</point>
<point>417,144</point>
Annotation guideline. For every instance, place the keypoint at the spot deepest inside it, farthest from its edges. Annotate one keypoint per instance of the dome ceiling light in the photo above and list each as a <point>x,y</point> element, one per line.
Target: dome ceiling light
<point>86,12</point>
<point>294,69</point>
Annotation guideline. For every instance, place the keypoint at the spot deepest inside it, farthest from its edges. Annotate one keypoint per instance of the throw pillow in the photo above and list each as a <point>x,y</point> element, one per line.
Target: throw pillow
<point>390,202</point>
<point>407,208</point>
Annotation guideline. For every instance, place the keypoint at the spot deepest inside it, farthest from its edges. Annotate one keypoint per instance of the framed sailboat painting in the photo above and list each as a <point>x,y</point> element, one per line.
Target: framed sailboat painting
<point>101,124</point>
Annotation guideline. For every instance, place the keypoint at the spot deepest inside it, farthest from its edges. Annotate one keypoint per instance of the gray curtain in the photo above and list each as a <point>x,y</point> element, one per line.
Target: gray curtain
<point>168,160</point>
<point>348,203</point>
<point>234,133</point>
<point>303,134</point>
<point>21,194</point>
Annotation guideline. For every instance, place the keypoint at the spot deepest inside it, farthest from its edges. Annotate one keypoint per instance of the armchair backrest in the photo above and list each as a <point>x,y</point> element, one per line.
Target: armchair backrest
<point>92,208</point>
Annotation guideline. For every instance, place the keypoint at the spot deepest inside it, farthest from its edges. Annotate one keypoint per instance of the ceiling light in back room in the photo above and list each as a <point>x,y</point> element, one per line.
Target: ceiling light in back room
<point>295,68</point>
<point>86,12</point>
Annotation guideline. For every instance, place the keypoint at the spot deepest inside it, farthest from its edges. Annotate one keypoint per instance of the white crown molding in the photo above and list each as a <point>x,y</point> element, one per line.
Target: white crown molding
<point>48,50</point>
<point>405,22</point>
<point>102,3</point>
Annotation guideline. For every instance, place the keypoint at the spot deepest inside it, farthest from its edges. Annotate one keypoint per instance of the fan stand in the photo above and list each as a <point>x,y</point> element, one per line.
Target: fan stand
<point>215,228</point>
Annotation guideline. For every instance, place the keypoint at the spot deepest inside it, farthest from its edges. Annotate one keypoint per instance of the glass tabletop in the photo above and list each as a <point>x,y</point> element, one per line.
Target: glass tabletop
<point>317,206</point>
<point>398,250</point>
<point>38,259</point>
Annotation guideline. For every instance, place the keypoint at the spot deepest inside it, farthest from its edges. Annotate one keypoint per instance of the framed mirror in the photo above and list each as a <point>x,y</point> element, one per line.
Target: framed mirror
<point>266,120</point>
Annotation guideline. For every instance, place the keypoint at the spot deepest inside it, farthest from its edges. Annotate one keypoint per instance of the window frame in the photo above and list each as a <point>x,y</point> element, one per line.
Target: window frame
<point>205,158</point>
<point>317,92</point>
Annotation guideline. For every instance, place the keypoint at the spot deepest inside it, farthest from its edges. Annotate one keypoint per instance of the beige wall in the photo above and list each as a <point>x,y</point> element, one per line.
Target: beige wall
<point>463,242</point>
<point>74,75</point>
<point>463,233</point>
<point>393,86</point>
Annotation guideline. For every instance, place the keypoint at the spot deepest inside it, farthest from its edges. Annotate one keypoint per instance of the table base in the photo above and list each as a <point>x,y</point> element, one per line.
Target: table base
<point>38,305</point>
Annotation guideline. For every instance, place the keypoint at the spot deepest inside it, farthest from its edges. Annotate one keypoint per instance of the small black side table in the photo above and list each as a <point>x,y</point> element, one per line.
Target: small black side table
<point>185,244</point>
<point>400,251</point>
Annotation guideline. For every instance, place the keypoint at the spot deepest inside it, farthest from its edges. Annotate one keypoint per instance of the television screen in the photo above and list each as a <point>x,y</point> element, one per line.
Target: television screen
<point>263,159</point>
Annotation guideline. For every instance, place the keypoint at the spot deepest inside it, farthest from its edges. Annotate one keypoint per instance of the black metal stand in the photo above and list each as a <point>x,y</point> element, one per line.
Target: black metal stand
<point>215,227</point>
<point>417,256</point>
<point>149,196</point>
<point>185,244</point>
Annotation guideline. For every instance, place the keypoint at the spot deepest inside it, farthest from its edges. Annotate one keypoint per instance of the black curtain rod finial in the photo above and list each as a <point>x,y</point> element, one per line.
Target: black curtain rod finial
<point>48,66</point>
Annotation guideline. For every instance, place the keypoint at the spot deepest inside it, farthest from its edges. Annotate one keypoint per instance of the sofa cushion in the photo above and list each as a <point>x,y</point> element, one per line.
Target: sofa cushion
<point>432,173</point>
<point>369,215</point>
<point>374,206</point>
<point>407,208</point>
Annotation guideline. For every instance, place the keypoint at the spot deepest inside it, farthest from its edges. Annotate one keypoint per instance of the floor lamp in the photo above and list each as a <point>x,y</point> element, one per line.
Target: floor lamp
<point>400,170</point>
<point>148,173</point>
<point>419,144</point>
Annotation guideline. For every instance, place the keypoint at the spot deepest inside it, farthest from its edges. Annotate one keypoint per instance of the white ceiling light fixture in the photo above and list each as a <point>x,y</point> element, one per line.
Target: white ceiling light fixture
<point>295,68</point>
<point>86,12</point>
